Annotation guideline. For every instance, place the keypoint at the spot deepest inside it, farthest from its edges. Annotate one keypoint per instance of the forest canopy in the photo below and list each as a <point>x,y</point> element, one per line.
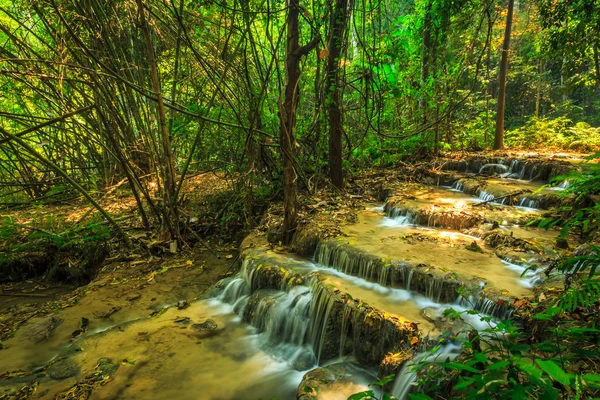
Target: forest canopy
<point>281,94</point>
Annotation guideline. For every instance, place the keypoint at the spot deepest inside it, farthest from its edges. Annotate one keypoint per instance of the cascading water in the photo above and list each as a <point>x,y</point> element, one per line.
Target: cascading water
<point>485,196</point>
<point>357,265</point>
<point>495,168</point>
<point>403,384</point>
<point>397,217</point>
<point>283,317</point>
<point>528,203</point>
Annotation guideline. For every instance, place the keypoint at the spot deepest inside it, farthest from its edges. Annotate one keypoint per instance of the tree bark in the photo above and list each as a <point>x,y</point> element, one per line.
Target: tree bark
<point>499,137</point>
<point>597,63</point>
<point>287,116</point>
<point>339,20</point>
<point>167,164</point>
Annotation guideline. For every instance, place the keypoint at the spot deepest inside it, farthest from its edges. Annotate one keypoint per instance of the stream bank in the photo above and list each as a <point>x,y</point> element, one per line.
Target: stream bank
<point>362,293</point>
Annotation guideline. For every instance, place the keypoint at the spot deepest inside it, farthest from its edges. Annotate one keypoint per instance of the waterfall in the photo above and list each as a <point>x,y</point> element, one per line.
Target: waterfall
<point>529,203</point>
<point>282,317</point>
<point>407,375</point>
<point>321,306</point>
<point>496,167</point>
<point>399,217</point>
<point>458,186</point>
<point>485,196</point>
<point>352,264</point>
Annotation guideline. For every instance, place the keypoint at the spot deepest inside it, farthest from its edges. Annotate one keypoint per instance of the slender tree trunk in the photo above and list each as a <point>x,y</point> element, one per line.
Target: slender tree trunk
<point>339,20</point>
<point>425,61</point>
<point>538,91</point>
<point>488,95</point>
<point>499,137</point>
<point>597,63</point>
<point>287,116</point>
<point>167,164</point>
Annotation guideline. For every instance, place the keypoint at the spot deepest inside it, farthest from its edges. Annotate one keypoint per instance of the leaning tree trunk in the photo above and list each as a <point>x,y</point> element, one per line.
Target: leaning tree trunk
<point>339,19</point>
<point>499,137</point>
<point>287,116</point>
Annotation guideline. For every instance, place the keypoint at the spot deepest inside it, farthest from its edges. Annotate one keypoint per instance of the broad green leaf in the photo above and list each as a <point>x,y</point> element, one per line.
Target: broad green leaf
<point>554,371</point>
<point>369,394</point>
<point>460,367</point>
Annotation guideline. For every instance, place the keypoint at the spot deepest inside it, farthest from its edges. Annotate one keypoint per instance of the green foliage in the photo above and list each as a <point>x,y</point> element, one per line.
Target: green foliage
<point>559,133</point>
<point>499,363</point>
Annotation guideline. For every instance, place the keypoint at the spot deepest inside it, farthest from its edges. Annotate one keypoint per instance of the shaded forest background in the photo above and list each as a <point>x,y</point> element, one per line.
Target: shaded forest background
<point>279,95</point>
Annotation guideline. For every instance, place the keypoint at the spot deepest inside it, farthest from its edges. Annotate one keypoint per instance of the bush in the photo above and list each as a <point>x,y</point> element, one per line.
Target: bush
<point>558,133</point>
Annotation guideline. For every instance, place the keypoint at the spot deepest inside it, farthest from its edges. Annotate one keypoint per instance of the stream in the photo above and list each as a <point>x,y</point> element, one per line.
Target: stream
<point>379,288</point>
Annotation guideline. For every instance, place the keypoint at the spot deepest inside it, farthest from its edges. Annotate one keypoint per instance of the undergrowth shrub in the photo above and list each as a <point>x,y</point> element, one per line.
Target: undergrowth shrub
<point>558,133</point>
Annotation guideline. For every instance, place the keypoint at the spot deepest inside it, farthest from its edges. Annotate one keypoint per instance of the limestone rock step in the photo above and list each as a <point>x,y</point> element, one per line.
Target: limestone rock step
<point>340,381</point>
<point>439,277</point>
<point>336,319</point>
<point>516,166</point>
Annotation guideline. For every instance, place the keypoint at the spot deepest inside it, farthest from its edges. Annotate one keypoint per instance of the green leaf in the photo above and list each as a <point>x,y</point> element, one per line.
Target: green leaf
<point>418,396</point>
<point>554,371</point>
<point>464,384</point>
<point>460,367</point>
<point>369,394</point>
<point>498,365</point>
<point>529,368</point>
<point>518,393</point>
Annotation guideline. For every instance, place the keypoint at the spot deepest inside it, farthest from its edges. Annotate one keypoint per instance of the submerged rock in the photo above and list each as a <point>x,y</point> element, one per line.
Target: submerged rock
<point>334,381</point>
<point>40,329</point>
<point>208,325</point>
<point>63,369</point>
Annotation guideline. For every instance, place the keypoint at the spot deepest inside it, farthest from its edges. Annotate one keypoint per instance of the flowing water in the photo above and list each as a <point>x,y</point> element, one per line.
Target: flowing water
<point>260,336</point>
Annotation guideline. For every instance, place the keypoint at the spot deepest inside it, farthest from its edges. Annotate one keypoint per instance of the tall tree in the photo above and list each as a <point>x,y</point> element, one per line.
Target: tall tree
<point>499,137</point>
<point>337,39</point>
<point>287,116</point>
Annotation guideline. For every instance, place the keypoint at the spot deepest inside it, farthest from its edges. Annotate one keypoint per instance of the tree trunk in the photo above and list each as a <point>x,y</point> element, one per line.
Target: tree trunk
<point>499,137</point>
<point>538,91</point>
<point>287,116</point>
<point>425,61</point>
<point>597,63</point>
<point>339,18</point>
<point>167,164</point>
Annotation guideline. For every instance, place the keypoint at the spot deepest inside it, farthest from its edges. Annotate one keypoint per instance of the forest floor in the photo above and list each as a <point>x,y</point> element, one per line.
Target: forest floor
<point>37,317</point>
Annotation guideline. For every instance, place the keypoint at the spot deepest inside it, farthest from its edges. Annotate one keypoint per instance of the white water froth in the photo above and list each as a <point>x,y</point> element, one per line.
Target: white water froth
<point>401,296</point>
<point>528,278</point>
<point>408,375</point>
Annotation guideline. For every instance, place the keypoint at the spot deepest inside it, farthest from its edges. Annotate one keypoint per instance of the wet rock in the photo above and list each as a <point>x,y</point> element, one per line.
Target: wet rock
<point>345,325</point>
<point>430,314</point>
<point>434,216</point>
<point>334,381</point>
<point>208,325</point>
<point>497,238</point>
<point>63,369</point>
<point>443,323</point>
<point>392,364</point>
<point>83,327</point>
<point>583,250</point>
<point>134,297</point>
<point>183,320</point>
<point>562,243</point>
<point>40,329</point>
<point>422,278</point>
<point>182,304</point>
<point>305,240</point>
<point>263,299</point>
<point>474,247</point>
